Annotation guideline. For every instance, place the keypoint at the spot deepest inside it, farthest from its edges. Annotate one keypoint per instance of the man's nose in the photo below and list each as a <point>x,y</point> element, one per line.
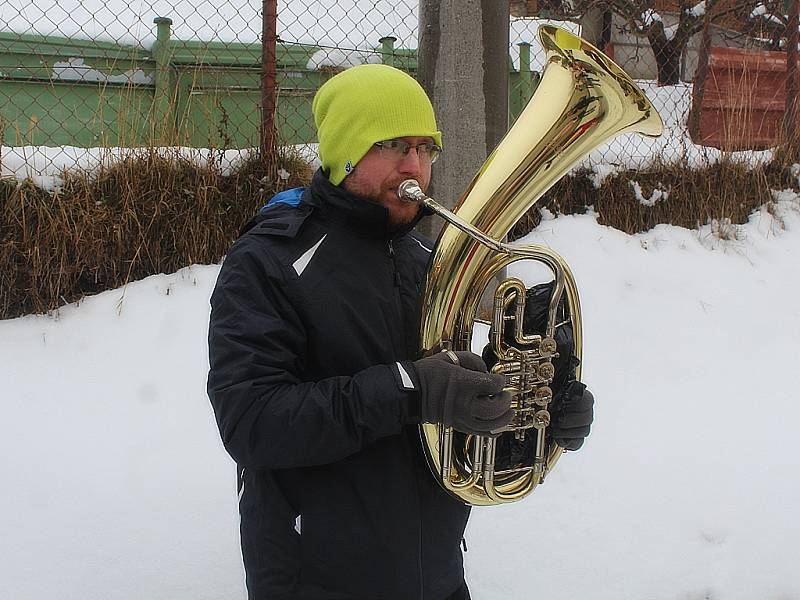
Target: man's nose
<point>411,162</point>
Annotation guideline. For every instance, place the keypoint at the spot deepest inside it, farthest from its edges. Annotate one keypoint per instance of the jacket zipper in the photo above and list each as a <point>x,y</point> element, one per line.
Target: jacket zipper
<point>395,272</point>
<point>399,337</point>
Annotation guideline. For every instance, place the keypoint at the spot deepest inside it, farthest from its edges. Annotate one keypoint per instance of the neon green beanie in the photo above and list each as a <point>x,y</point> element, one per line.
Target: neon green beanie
<point>367,104</point>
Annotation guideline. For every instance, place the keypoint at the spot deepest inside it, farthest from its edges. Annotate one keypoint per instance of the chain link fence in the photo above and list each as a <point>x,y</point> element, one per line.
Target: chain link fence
<point>81,80</point>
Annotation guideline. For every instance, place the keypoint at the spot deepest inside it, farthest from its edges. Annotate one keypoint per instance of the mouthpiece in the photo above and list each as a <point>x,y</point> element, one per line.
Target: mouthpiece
<point>410,191</point>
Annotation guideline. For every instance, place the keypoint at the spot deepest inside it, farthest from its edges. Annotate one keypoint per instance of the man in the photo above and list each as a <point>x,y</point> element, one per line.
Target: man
<point>313,379</point>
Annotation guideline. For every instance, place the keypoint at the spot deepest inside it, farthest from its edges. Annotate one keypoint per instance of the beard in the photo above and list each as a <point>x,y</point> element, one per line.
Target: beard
<point>401,213</point>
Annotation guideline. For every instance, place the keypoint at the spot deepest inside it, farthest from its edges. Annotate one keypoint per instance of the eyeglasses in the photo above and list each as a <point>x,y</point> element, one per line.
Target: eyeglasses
<point>397,149</point>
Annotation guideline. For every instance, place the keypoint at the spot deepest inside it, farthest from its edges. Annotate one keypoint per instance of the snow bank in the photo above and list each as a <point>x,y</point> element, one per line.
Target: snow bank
<point>45,166</point>
<point>115,484</point>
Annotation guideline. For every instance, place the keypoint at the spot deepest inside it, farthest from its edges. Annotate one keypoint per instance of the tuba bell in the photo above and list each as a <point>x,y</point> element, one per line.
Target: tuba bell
<point>583,100</point>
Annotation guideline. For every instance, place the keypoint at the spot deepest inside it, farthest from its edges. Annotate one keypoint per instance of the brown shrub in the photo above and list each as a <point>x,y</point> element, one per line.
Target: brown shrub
<point>143,215</point>
<point>155,214</point>
<point>725,190</point>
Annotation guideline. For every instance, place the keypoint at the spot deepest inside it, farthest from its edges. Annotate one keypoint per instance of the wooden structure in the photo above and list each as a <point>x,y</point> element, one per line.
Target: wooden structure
<point>740,102</point>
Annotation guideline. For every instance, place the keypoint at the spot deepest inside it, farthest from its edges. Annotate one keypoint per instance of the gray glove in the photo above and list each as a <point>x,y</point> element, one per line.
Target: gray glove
<point>462,396</point>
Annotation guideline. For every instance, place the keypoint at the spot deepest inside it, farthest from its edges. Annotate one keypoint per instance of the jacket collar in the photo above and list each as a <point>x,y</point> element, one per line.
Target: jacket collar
<point>362,215</point>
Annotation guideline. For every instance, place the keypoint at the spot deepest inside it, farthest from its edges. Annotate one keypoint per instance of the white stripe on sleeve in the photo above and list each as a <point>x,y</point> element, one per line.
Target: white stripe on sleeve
<point>405,377</point>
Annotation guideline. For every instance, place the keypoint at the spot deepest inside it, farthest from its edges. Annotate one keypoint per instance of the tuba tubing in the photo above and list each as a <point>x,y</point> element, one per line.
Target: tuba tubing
<point>583,100</point>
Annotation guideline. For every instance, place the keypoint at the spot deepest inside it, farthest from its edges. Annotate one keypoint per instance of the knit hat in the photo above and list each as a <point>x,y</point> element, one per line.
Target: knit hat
<point>367,104</point>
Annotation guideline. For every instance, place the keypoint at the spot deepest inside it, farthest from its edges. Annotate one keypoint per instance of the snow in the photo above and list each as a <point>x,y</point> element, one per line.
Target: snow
<point>669,32</point>
<point>690,499</point>
<point>116,484</point>
<point>76,69</point>
<point>650,17</point>
<point>45,166</point>
<point>698,10</point>
<point>765,13</point>
<point>342,59</point>
<point>600,172</point>
<point>658,194</point>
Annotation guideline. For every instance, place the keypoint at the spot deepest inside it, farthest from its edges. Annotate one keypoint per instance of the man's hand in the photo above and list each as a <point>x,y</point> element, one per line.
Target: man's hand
<point>573,416</point>
<point>463,395</point>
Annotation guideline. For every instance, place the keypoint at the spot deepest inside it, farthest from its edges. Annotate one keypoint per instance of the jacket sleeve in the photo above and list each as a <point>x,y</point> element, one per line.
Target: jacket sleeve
<point>267,416</point>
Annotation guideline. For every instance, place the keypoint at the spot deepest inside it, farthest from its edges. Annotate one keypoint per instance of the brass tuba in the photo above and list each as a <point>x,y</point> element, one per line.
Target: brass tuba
<point>583,100</point>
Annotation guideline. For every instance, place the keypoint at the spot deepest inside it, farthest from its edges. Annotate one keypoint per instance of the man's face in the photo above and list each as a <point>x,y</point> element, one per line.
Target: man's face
<point>378,174</point>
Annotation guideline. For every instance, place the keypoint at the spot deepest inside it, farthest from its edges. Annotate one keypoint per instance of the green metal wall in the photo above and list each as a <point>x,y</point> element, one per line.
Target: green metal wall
<point>186,93</point>
<point>38,108</point>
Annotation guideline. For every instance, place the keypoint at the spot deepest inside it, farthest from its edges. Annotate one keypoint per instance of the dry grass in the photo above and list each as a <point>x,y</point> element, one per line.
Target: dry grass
<point>684,197</point>
<point>155,214</point>
<point>143,215</point>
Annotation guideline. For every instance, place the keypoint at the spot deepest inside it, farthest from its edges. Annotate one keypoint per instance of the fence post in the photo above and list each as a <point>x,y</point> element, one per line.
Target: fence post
<point>790,112</point>
<point>520,85</point>
<point>463,65</point>
<point>162,97</point>
<point>525,76</point>
<point>269,43</point>
<point>387,49</point>
<point>699,83</point>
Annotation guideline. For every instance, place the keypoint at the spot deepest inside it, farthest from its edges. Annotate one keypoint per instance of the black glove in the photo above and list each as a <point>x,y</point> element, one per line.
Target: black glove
<point>462,396</point>
<point>572,416</point>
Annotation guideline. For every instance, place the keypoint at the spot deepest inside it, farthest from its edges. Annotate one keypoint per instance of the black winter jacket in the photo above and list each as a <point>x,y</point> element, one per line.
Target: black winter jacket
<point>314,319</point>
